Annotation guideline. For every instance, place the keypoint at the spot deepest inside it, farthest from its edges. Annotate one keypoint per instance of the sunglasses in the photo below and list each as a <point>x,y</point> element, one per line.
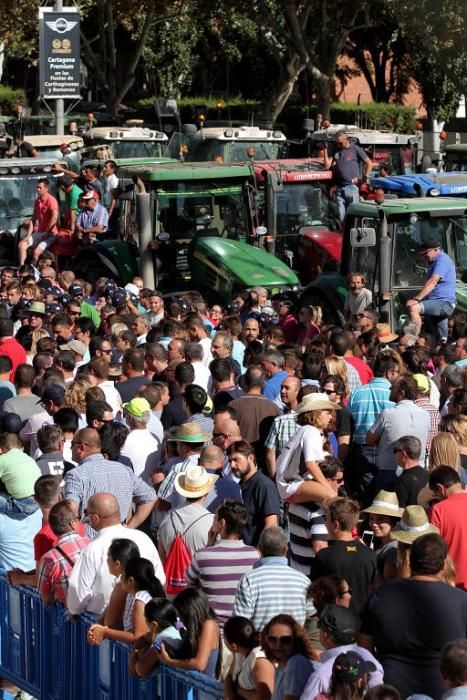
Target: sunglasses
<point>341,594</point>
<point>339,480</point>
<point>220,435</point>
<point>284,641</point>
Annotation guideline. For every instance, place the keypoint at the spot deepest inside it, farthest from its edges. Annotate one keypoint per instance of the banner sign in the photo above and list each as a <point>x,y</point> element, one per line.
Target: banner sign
<point>59,54</point>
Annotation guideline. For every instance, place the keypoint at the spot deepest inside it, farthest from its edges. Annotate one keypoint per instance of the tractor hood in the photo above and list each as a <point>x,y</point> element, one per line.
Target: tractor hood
<point>248,265</point>
<point>330,241</point>
<point>436,184</point>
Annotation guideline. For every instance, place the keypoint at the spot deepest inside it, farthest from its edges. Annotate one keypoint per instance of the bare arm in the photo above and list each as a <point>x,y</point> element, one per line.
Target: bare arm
<point>343,450</point>
<point>368,167</point>
<point>142,511</point>
<point>97,633</point>
<point>270,521</point>
<point>327,158</point>
<point>371,439</point>
<point>113,614</point>
<point>207,642</point>
<point>270,459</point>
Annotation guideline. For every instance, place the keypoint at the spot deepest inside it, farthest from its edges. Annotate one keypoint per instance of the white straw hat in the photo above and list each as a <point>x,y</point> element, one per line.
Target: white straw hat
<point>195,482</point>
<point>414,523</point>
<point>385,503</point>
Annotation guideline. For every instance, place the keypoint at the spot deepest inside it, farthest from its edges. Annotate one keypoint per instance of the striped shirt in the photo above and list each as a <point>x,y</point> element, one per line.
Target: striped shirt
<point>354,378</point>
<point>366,403</point>
<point>217,571</point>
<point>271,588</point>
<point>55,569</point>
<point>282,429</point>
<point>307,525</point>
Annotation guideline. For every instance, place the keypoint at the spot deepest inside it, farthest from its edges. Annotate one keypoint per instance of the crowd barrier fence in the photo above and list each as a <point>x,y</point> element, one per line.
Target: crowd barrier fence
<point>46,654</point>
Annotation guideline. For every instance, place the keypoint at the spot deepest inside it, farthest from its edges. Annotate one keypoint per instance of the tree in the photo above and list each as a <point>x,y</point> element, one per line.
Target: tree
<point>113,64</point>
<point>435,36</point>
<point>381,54</point>
<point>304,35</point>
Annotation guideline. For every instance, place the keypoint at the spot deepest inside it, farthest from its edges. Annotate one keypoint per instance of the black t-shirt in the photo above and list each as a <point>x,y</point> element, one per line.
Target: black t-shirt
<point>225,396</point>
<point>25,150</point>
<point>409,484</point>
<point>128,389</point>
<point>410,622</point>
<point>174,413</point>
<point>344,422</point>
<point>261,499</point>
<point>353,561</point>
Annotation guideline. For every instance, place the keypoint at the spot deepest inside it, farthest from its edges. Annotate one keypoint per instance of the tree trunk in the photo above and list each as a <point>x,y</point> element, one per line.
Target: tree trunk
<point>279,96</point>
<point>323,95</point>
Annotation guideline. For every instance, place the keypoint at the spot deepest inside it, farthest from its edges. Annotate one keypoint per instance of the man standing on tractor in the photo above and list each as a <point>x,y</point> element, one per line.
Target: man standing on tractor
<point>346,166</point>
<point>437,298</point>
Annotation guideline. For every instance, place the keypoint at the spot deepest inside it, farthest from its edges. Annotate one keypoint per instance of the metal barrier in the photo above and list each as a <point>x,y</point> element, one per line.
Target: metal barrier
<point>46,654</point>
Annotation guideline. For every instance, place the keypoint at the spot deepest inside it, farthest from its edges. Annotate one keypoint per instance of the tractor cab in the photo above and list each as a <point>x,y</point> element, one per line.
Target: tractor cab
<point>225,144</point>
<point>123,142</point>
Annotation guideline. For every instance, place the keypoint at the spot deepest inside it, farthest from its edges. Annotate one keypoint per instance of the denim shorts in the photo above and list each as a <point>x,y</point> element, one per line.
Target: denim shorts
<point>437,307</point>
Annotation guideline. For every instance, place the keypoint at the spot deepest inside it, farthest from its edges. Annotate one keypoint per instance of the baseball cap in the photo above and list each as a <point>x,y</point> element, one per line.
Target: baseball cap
<point>423,383</point>
<point>341,623</point>
<point>429,243</point>
<point>53,309</point>
<point>350,666</point>
<point>76,346</point>
<point>137,407</point>
<point>75,291</point>
<point>10,422</point>
<point>90,194</point>
<point>53,392</point>
<point>119,298</point>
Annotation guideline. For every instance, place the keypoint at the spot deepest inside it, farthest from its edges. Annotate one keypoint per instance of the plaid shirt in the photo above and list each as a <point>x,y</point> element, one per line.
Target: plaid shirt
<point>98,475</point>
<point>434,420</point>
<point>54,569</point>
<point>282,429</point>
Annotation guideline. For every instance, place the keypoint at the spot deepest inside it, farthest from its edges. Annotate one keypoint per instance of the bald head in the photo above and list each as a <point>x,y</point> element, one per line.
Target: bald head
<point>90,438</point>
<point>230,428</point>
<point>212,457</point>
<point>103,510</point>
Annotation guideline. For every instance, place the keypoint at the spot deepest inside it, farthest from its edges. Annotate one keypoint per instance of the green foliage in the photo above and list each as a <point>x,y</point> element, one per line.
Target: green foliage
<point>9,98</point>
<point>376,116</point>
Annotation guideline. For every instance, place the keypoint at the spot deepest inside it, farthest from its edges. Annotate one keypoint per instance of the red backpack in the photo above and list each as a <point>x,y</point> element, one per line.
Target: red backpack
<point>178,560</point>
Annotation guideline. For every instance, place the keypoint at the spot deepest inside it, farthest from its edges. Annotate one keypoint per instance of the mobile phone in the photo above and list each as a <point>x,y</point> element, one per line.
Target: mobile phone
<point>158,645</point>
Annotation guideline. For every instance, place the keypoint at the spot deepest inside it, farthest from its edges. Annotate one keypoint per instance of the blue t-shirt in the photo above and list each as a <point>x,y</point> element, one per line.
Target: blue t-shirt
<point>272,387</point>
<point>347,164</point>
<point>17,541</point>
<point>292,679</point>
<point>442,266</point>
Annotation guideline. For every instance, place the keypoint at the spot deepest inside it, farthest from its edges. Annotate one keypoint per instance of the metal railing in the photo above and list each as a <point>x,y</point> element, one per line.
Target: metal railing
<point>46,654</point>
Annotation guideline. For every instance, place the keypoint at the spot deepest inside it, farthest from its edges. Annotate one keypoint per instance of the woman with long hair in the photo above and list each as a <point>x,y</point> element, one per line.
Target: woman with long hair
<point>200,649</point>
<point>335,366</point>
<point>444,450</point>
<point>310,319</point>
<point>286,645</point>
<point>140,585</point>
<point>76,398</point>
<point>330,590</point>
<point>251,675</point>
<point>456,425</point>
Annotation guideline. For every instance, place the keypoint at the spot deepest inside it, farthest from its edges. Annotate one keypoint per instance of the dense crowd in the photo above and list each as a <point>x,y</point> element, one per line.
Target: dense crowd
<point>247,491</point>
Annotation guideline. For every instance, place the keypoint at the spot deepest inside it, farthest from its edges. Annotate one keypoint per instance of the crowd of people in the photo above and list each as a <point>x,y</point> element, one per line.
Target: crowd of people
<point>247,491</point>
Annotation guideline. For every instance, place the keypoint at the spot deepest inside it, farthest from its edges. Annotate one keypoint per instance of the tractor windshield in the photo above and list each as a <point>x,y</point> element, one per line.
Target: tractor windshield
<point>188,209</point>
<point>137,149</point>
<point>17,197</point>
<point>304,204</point>
<point>236,151</point>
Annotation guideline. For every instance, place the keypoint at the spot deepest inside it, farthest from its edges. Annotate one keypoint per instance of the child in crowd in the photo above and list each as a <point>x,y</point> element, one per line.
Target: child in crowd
<point>19,473</point>
<point>250,671</point>
<point>164,626</point>
<point>349,678</point>
<point>140,585</point>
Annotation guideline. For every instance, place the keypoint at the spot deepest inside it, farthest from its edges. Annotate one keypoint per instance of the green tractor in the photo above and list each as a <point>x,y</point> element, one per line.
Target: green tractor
<point>194,231</point>
<point>381,240</point>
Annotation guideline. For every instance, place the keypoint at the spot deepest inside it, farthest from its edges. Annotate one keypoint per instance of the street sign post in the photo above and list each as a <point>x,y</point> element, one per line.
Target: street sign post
<point>59,57</point>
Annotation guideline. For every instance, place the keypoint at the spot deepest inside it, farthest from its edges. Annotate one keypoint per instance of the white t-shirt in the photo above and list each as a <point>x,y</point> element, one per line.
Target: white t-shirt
<point>144,451</point>
<point>110,183</point>
<point>308,441</point>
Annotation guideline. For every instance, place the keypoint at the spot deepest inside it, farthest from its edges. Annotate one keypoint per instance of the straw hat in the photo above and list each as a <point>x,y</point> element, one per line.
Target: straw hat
<point>414,523</point>
<point>384,333</point>
<point>188,432</point>
<point>195,482</point>
<point>37,308</point>
<point>316,402</point>
<point>385,503</point>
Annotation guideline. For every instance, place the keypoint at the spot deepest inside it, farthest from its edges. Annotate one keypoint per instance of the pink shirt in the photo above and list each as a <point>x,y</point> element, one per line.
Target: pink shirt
<point>43,209</point>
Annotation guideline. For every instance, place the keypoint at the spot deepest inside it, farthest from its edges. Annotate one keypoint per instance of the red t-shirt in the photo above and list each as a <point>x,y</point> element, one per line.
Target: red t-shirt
<point>17,354</point>
<point>43,209</point>
<point>364,371</point>
<point>450,516</point>
<point>45,540</point>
